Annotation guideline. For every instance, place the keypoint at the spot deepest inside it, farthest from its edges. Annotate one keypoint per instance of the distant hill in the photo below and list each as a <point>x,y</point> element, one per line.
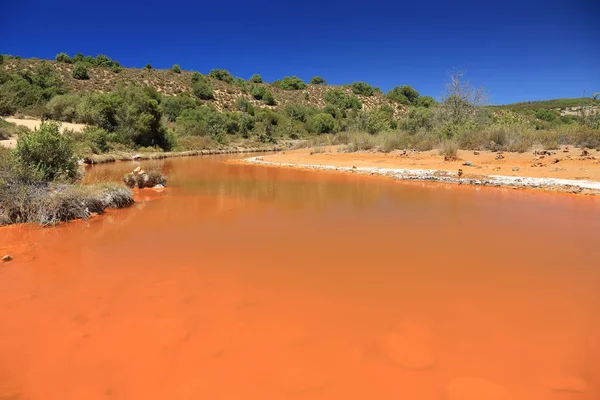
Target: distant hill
<point>549,104</point>
<point>170,83</point>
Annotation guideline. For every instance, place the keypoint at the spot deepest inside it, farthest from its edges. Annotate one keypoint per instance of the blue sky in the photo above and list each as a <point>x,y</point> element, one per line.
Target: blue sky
<point>518,50</point>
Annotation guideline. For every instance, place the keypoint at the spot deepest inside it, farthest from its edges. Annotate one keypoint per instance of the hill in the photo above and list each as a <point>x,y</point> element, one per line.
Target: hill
<point>170,83</point>
<point>553,104</point>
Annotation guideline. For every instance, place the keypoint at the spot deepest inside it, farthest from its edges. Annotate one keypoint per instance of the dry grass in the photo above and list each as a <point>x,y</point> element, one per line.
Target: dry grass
<point>46,204</point>
<point>449,149</point>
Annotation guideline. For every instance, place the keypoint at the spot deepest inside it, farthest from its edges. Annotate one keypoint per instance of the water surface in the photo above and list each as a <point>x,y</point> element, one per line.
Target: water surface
<point>251,282</point>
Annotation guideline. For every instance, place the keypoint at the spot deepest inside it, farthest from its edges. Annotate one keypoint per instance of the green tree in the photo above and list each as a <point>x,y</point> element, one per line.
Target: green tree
<point>339,98</point>
<point>80,72</point>
<point>148,66</point>
<point>221,75</point>
<point>175,68</point>
<point>203,89</point>
<point>173,106</point>
<point>425,101</point>
<point>256,78</point>
<point>291,83</point>
<point>64,58</point>
<point>362,88</point>
<point>258,92</point>
<point>49,152</point>
<point>317,80</point>
<point>321,123</point>
<point>268,99</point>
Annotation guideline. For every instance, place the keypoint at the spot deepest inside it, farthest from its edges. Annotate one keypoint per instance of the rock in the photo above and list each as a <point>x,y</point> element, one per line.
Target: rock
<point>572,384</point>
<point>159,186</point>
<point>460,173</point>
<point>475,153</point>
<point>136,157</point>
<point>516,169</point>
<point>6,258</point>
<point>469,388</point>
<point>468,163</point>
<point>555,161</point>
<point>137,169</point>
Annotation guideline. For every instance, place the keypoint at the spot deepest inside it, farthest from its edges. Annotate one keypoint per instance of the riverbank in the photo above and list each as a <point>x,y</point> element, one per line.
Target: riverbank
<point>566,169</point>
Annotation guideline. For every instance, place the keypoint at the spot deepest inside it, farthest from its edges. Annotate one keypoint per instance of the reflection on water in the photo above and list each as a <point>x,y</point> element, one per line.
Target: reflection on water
<point>248,282</point>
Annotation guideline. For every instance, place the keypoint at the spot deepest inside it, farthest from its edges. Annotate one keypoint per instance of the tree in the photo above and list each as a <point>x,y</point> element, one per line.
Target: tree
<point>321,123</point>
<point>148,66</point>
<point>221,75</point>
<point>48,151</point>
<point>317,80</point>
<point>256,78</point>
<point>173,106</point>
<point>291,83</point>
<point>362,88</point>
<point>268,99</point>
<point>80,72</point>
<point>64,58</point>
<point>175,68</point>
<point>461,100</point>
<point>203,89</point>
<point>425,101</point>
<point>403,94</point>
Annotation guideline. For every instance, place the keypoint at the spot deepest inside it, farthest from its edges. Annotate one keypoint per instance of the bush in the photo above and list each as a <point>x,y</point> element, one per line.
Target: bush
<point>404,95</point>
<point>291,83</point>
<point>242,104</point>
<point>64,58</point>
<point>299,112</point>
<point>148,66</point>
<point>80,72</point>
<point>362,88</point>
<point>449,149</point>
<point>173,106</point>
<point>545,115</point>
<point>64,107</point>
<point>268,99</point>
<point>417,118</point>
<point>203,121</point>
<point>175,68</point>
<point>221,75</point>
<point>49,152</point>
<point>321,123</point>
<point>258,92</point>
<point>425,101</point>
<point>338,98</point>
<point>203,89</point>
<point>97,137</point>
<point>317,80</point>
<point>256,78</point>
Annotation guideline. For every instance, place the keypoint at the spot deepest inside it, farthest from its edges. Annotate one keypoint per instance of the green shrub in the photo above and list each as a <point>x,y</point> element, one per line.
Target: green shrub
<point>268,99</point>
<point>64,107</point>
<point>1,59</point>
<point>49,152</point>
<point>256,78</point>
<point>175,68</point>
<point>317,80</point>
<point>449,149</point>
<point>80,72</point>
<point>291,83</point>
<point>203,121</point>
<point>362,88</point>
<point>242,84</point>
<point>418,118</point>
<point>403,95</point>
<point>197,77</point>
<point>334,111</point>
<point>321,123</point>
<point>148,66</point>
<point>545,115</point>
<point>173,106</point>
<point>203,89</point>
<point>64,58</point>
<point>98,137</point>
<point>258,92</point>
<point>425,101</point>
<point>339,98</point>
<point>221,75</point>
<point>116,69</point>
<point>299,112</point>
<point>243,104</point>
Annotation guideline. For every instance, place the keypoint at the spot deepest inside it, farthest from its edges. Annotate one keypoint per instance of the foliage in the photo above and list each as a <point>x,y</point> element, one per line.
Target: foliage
<point>202,88</point>
<point>221,75</point>
<point>64,58</point>
<point>175,68</point>
<point>268,99</point>
<point>203,121</point>
<point>173,106</point>
<point>406,95</point>
<point>291,83</point>
<point>449,149</point>
<point>80,72</point>
<point>317,80</point>
<point>545,114</point>
<point>256,78</point>
<point>148,66</point>
<point>99,138</point>
<point>64,107</point>
<point>243,104</point>
<point>362,88</point>
<point>418,118</point>
<point>425,101</point>
<point>49,152</point>
<point>339,98</point>
<point>321,123</point>
<point>299,112</point>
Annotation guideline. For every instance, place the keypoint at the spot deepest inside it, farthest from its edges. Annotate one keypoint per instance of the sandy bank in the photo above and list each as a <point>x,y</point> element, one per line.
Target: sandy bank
<point>33,124</point>
<point>566,170</point>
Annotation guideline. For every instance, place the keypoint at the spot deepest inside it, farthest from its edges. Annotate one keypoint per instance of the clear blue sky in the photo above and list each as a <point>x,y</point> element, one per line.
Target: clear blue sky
<point>518,50</point>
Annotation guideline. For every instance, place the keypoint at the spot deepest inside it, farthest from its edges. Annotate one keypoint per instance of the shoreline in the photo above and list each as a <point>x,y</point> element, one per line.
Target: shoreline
<point>572,186</point>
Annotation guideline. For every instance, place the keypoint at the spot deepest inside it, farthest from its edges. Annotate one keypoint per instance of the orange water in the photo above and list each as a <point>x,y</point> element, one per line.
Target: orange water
<point>250,282</point>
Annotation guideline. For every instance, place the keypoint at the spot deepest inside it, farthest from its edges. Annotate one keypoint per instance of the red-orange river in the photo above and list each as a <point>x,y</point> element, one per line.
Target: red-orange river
<point>241,282</point>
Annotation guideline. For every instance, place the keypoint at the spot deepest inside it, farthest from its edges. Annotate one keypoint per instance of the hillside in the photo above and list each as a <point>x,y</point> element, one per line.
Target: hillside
<point>552,104</point>
<point>169,83</point>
